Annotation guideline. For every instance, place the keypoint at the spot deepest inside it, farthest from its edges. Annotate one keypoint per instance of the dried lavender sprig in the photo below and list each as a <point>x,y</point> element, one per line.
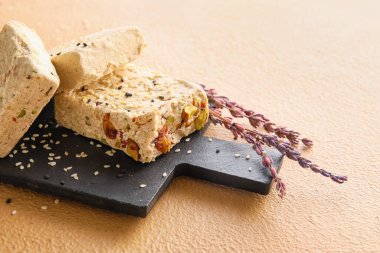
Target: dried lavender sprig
<point>238,130</point>
<point>255,119</point>
<point>257,139</point>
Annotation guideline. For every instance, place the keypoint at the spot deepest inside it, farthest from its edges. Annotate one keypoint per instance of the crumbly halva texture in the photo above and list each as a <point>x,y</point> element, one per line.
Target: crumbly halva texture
<point>91,57</point>
<point>139,111</point>
<point>28,81</point>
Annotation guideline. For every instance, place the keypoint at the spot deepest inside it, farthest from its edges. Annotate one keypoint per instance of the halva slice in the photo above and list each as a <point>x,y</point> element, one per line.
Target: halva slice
<point>89,58</point>
<point>139,111</point>
<point>28,81</point>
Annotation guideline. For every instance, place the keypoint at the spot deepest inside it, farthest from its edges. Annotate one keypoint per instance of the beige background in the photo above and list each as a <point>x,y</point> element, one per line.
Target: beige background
<point>311,65</point>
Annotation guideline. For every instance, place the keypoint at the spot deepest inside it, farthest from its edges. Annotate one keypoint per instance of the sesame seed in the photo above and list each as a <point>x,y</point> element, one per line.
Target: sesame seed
<point>142,185</point>
<point>76,133</point>
<point>26,139</point>
<point>64,135</point>
<point>250,169</point>
<point>209,139</point>
<point>66,153</point>
<point>51,141</point>
<point>45,135</point>
<point>107,166</point>
<point>67,169</point>
<point>10,155</point>
<point>18,164</point>
<point>14,212</point>
<point>33,146</point>
<point>21,167</point>
<point>188,152</point>
<point>118,166</point>
<point>165,174</point>
<point>237,155</point>
<point>46,126</point>
<point>98,145</point>
<point>52,164</point>
<point>29,165</point>
<point>96,173</point>
<point>177,150</point>
<point>247,157</point>
<point>57,157</point>
<point>78,156</point>
<point>40,125</point>
<point>50,158</point>
<point>187,139</point>
<point>57,142</point>
<point>92,143</point>
<point>43,141</point>
<point>109,153</point>
<point>44,207</point>
<point>31,160</point>
<point>56,201</point>
<point>15,151</point>
<point>33,139</point>
<point>35,135</point>
<point>113,151</point>
<point>51,154</point>
<point>25,151</point>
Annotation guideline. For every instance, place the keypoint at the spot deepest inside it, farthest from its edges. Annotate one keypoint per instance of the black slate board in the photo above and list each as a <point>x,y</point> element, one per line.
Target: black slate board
<point>119,189</point>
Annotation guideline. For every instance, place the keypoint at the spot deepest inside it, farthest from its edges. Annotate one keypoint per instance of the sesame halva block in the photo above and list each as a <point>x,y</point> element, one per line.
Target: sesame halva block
<point>28,81</point>
<point>134,109</point>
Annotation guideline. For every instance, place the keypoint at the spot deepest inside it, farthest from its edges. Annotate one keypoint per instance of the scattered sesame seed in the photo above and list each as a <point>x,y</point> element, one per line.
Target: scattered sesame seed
<point>52,164</point>
<point>25,151</point>
<point>45,135</point>
<point>177,150</point>
<point>26,139</point>
<point>209,139</point>
<point>51,154</point>
<point>10,155</point>
<point>96,173</point>
<point>66,153</point>
<point>29,165</point>
<point>14,212</point>
<point>92,143</point>
<point>247,157</point>
<point>49,134</point>
<point>18,164</point>
<point>64,135</point>
<point>76,133</point>
<point>113,151</point>
<point>57,142</point>
<point>118,166</point>
<point>46,126</point>
<point>44,207</point>
<point>98,145</point>
<point>250,169</point>
<point>56,201</point>
<point>43,141</point>
<point>50,158</point>
<point>22,167</point>
<point>187,139</point>
<point>165,174</point>
<point>142,185</point>
<point>46,146</point>
<point>40,126</point>
<point>33,146</point>
<point>57,157</point>
<point>237,155</point>
<point>188,152</point>
<point>31,160</point>
<point>51,141</point>
<point>109,153</point>
<point>57,125</point>
<point>36,135</point>
<point>78,156</point>
<point>67,169</point>
<point>33,139</point>
<point>107,166</point>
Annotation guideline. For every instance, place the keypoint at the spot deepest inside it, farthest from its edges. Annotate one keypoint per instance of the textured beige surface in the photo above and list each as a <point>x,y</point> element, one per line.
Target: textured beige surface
<point>312,65</point>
